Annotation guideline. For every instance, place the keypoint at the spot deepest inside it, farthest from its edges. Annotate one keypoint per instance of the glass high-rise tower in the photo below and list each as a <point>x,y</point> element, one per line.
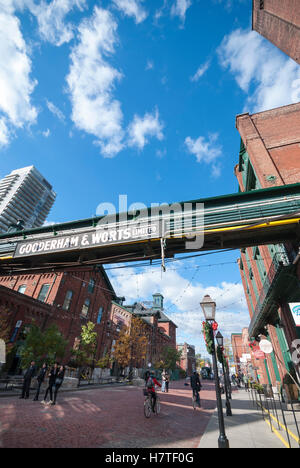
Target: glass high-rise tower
<point>26,197</point>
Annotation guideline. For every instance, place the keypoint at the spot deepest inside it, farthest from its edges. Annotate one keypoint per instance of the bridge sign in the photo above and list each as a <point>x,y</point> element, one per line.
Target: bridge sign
<point>97,237</point>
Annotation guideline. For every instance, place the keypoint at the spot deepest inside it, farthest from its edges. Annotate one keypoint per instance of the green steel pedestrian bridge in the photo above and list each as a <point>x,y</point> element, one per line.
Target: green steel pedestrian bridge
<point>266,216</point>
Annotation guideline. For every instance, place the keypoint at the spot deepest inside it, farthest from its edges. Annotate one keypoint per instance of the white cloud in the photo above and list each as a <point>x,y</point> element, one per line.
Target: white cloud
<point>180,7</point>
<point>132,8</point>
<point>200,72</point>
<point>260,70</point>
<point>91,83</point>
<point>149,65</point>
<point>141,127</point>
<point>46,133</point>
<point>182,297</point>
<point>205,150</point>
<point>16,85</point>
<point>4,133</point>
<point>161,153</point>
<point>55,110</point>
<point>160,12</point>
<point>51,19</point>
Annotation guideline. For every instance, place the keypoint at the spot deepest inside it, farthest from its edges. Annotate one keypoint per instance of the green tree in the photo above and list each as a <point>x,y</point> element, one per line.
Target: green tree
<point>86,352</point>
<point>5,326</point>
<point>200,362</point>
<point>131,347</point>
<point>169,358</point>
<point>42,346</point>
<point>33,348</point>
<point>55,344</point>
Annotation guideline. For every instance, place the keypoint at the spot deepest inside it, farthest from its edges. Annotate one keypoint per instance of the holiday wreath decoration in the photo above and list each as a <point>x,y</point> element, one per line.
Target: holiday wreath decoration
<point>206,327</point>
<point>222,358</point>
<point>252,345</point>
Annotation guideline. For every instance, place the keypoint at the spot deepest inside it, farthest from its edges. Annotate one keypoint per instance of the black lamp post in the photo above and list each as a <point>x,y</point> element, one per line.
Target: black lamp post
<point>209,310</point>
<point>220,341</point>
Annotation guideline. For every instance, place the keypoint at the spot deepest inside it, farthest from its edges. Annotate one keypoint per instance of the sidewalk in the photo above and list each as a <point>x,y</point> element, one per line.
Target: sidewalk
<point>17,392</point>
<point>246,428</point>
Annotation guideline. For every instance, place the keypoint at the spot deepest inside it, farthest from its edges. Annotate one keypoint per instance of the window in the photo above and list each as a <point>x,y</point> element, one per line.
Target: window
<point>261,4</point>
<point>100,313</point>
<point>43,292</point>
<point>260,263</point>
<point>252,182</point>
<point>22,288</point>
<point>85,308</point>
<point>68,300</point>
<point>91,286</point>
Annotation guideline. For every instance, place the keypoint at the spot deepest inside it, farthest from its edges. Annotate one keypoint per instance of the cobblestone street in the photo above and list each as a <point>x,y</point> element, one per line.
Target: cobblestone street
<point>106,417</point>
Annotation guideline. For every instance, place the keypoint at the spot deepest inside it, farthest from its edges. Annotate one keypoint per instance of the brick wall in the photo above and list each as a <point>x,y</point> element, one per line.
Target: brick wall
<point>272,141</point>
<point>68,319</point>
<point>279,22</point>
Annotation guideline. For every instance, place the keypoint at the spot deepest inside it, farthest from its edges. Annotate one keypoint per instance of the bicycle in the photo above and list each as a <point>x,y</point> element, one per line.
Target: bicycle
<point>148,404</point>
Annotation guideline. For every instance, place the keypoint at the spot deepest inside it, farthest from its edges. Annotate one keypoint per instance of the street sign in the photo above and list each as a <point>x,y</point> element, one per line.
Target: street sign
<point>266,347</point>
<point>259,355</point>
<point>295,309</point>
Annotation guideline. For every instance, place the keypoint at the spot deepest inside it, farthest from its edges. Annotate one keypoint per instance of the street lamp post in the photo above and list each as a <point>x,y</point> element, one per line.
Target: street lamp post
<point>220,341</point>
<point>209,310</point>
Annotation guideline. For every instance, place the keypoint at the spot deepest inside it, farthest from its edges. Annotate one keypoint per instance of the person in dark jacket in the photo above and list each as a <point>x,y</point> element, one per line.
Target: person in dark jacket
<point>52,377</point>
<point>40,379</point>
<point>27,380</point>
<point>167,381</point>
<point>196,386</point>
<point>58,382</point>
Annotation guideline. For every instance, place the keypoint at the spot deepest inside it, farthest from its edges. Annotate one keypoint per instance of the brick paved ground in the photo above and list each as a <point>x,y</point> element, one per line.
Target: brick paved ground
<point>106,417</point>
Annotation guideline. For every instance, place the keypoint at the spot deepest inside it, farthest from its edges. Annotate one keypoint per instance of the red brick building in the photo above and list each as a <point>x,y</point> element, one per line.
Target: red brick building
<point>67,298</point>
<point>188,358</point>
<point>248,360</point>
<point>160,330</point>
<point>279,22</point>
<point>270,156</point>
<point>237,349</point>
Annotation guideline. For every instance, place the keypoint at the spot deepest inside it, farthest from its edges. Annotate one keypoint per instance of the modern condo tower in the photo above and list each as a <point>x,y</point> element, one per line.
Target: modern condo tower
<point>26,197</point>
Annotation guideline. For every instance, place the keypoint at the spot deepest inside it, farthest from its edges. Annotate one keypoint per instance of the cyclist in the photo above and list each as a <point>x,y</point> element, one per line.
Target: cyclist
<point>196,386</point>
<point>151,381</point>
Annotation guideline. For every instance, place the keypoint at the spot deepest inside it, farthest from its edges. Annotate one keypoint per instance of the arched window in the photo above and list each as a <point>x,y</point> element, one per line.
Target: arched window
<point>68,299</point>
<point>100,313</point>
<point>22,288</point>
<point>85,308</point>
<point>43,292</point>
<point>91,286</point>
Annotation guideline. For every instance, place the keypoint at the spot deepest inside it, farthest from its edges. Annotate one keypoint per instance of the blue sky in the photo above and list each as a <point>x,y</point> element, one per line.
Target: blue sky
<point>139,98</point>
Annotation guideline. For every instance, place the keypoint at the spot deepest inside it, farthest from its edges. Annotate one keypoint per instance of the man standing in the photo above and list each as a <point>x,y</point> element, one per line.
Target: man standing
<point>167,381</point>
<point>27,380</point>
<point>40,380</point>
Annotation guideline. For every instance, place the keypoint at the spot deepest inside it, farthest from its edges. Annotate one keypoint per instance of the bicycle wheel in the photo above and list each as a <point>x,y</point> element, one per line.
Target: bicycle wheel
<point>194,402</point>
<point>147,408</point>
<point>157,406</point>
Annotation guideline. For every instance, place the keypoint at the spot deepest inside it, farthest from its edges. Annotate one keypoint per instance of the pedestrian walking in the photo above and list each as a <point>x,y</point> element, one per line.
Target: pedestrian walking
<point>246,383</point>
<point>163,378</point>
<point>167,381</point>
<point>58,382</point>
<point>27,380</point>
<point>52,377</point>
<point>40,379</point>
